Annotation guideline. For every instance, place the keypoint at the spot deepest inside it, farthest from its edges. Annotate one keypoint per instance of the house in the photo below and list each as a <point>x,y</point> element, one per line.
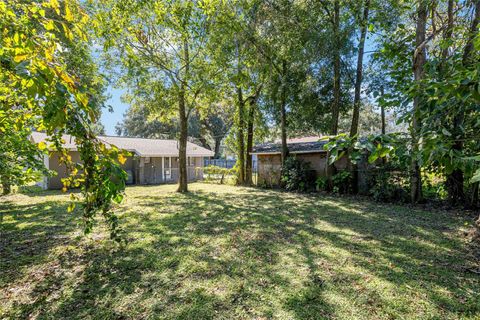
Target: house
<point>153,161</point>
<point>308,149</point>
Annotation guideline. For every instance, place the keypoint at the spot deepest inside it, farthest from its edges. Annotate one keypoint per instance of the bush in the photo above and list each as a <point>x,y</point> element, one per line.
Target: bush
<point>297,175</point>
<point>390,186</point>
<point>218,174</point>
<point>322,183</point>
<point>341,182</point>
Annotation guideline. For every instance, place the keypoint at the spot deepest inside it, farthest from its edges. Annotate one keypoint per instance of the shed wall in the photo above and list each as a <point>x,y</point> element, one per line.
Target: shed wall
<point>270,165</point>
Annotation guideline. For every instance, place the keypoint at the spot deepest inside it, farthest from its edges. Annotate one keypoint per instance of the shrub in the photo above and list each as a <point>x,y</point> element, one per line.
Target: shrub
<point>341,182</point>
<point>389,186</point>
<point>321,183</point>
<point>297,175</point>
<point>218,174</point>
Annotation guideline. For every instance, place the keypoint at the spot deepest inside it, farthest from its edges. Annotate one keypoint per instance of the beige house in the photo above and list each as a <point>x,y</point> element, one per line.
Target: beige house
<point>153,161</point>
<point>309,149</point>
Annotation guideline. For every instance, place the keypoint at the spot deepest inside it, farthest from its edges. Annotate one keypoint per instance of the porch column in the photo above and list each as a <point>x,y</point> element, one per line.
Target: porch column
<point>163,169</point>
<point>141,171</point>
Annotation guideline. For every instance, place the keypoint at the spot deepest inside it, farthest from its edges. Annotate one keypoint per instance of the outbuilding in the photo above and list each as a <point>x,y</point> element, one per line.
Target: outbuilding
<point>308,149</point>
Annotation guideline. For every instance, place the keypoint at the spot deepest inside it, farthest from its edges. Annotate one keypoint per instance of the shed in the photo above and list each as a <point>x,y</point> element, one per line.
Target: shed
<point>308,149</point>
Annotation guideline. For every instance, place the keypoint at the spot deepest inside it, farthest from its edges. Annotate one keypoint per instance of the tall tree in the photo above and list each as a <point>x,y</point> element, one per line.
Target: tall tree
<point>336,67</point>
<point>163,48</point>
<point>359,76</point>
<point>419,60</point>
<point>455,180</point>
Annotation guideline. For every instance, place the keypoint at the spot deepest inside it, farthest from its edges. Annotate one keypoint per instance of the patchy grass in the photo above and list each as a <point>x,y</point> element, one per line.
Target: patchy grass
<point>226,252</point>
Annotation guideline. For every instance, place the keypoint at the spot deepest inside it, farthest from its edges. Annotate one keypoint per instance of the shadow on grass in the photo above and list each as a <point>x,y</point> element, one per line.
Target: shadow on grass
<point>205,255</point>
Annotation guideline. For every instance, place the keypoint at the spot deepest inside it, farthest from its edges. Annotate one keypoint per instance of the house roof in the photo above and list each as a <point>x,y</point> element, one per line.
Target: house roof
<point>141,146</point>
<point>295,145</point>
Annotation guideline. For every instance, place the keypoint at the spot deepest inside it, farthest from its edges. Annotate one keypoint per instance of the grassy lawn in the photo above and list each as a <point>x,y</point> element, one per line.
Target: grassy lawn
<point>223,252</point>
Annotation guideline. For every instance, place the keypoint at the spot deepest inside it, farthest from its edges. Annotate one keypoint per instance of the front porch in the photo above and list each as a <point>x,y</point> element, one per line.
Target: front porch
<point>158,170</point>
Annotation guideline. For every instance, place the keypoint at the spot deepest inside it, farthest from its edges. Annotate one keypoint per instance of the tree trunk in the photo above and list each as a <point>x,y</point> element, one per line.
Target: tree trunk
<point>182,158</point>
<point>382,111</point>
<point>336,69</point>
<point>6,187</point>
<point>251,119</point>
<point>218,141</point>
<point>419,59</point>
<point>240,137</point>
<point>283,112</point>
<point>359,77</point>
<point>449,31</point>
<point>182,116</point>
<point>358,85</point>
<point>248,165</point>
<point>455,180</point>
<point>203,142</point>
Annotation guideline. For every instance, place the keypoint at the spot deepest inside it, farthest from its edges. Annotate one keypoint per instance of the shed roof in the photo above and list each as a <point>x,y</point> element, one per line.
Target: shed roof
<point>296,145</point>
<point>141,146</point>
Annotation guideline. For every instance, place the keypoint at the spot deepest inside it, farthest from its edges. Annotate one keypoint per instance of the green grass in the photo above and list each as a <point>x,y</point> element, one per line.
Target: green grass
<point>222,252</point>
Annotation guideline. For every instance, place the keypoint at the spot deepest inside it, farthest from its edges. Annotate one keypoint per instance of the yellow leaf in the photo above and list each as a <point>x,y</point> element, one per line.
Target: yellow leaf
<point>42,146</point>
<point>121,158</point>
<point>66,78</point>
<point>55,6</point>
<point>20,57</point>
<point>49,54</point>
<point>71,206</point>
<point>83,99</point>
<point>68,13</point>
<point>50,25</point>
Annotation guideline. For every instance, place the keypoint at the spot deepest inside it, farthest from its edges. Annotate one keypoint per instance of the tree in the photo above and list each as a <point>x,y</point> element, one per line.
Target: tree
<point>359,77</point>
<point>419,60</point>
<point>40,90</point>
<point>163,48</point>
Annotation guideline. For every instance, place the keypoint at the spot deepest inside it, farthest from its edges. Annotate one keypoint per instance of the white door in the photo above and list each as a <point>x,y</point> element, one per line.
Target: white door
<point>167,168</point>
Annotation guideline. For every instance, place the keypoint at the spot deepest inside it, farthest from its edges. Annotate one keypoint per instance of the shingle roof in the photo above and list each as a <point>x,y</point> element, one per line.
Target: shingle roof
<point>142,147</point>
<point>296,145</point>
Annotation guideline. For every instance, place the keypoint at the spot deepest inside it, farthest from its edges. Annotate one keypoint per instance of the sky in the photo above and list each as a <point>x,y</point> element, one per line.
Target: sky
<point>110,119</point>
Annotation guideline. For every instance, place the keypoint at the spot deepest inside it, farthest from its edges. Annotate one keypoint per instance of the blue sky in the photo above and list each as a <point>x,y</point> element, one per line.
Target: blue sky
<point>110,119</point>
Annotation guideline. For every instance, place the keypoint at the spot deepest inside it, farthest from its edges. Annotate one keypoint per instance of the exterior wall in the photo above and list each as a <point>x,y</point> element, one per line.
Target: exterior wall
<point>55,182</point>
<point>54,164</point>
<point>138,171</point>
<point>153,171</point>
<point>270,165</point>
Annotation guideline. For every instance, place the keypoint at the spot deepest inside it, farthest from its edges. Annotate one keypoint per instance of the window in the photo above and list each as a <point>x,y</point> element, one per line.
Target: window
<point>147,160</point>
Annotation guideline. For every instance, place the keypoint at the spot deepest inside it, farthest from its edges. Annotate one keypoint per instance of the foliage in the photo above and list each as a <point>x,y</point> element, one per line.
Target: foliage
<point>389,186</point>
<point>296,175</point>
<point>341,182</point>
<point>41,89</point>
<point>321,183</point>
<point>392,147</point>
<point>164,51</point>
<point>218,174</point>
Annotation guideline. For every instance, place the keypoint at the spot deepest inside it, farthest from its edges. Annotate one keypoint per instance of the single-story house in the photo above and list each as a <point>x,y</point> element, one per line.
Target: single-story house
<point>308,149</point>
<point>153,161</point>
